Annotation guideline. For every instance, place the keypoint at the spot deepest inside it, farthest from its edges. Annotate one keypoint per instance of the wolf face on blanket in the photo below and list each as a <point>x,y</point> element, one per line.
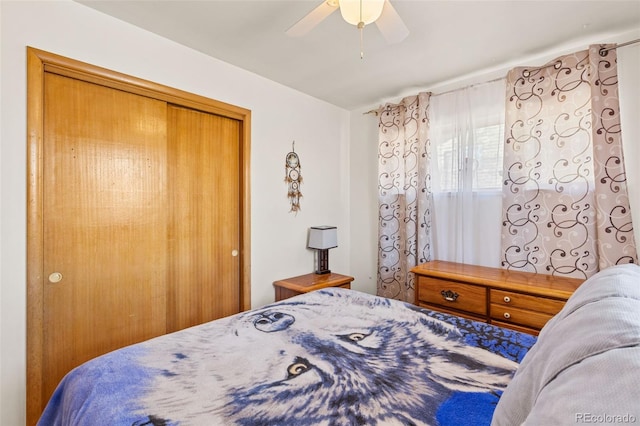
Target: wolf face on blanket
<point>363,364</point>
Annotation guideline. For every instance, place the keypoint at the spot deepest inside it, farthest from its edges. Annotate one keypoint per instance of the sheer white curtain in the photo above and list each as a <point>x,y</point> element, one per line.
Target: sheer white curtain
<point>467,138</point>
<point>440,178</point>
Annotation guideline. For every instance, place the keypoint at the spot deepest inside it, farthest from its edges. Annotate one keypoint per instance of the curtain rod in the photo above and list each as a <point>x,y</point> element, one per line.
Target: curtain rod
<point>526,72</point>
<point>601,51</point>
<point>375,111</point>
<point>605,50</point>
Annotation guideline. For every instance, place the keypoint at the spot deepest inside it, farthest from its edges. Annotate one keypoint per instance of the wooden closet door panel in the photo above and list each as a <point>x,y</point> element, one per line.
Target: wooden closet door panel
<point>104,222</point>
<point>204,226</point>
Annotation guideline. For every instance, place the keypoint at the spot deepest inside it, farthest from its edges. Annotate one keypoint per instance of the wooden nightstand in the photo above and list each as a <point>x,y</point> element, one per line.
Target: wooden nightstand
<point>294,286</point>
<point>522,301</point>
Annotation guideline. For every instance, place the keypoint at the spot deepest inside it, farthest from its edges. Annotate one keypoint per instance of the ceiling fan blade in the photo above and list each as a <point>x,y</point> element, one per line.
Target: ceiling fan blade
<point>314,17</point>
<point>391,25</point>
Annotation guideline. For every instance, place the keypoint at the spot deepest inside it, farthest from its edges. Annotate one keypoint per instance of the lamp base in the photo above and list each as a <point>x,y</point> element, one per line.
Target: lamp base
<point>323,262</point>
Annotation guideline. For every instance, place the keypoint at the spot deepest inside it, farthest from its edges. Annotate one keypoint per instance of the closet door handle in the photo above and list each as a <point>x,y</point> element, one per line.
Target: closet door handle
<point>55,277</point>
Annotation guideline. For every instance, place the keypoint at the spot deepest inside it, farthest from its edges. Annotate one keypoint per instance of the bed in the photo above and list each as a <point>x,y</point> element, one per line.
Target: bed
<point>330,357</point>
<point>585,366</point>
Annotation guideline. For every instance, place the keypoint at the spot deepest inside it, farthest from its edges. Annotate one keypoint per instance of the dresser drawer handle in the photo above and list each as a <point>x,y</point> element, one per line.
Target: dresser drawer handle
<point>507,299</point>
<point>507,315</point>
<point>449,296</point>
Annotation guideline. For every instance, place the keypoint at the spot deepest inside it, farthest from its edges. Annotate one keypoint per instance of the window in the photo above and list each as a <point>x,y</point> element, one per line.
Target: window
<point>486,161</point>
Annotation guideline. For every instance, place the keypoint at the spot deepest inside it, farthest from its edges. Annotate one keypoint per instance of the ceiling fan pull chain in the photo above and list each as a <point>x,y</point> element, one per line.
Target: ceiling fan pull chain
<point>361,27</point>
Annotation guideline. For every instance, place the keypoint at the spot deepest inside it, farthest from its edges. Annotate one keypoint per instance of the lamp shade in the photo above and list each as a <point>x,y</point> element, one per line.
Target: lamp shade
<point>356,11</point>
<point>323,237</point>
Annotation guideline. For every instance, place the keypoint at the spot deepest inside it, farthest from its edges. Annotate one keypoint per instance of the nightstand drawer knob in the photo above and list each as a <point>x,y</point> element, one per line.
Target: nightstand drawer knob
<point>507,299</point>
<point>449,295</point>
<point>507,315</point>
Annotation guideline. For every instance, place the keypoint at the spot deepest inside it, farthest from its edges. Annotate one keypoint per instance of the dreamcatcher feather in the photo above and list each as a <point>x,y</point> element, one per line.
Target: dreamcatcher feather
<point>293,178</point>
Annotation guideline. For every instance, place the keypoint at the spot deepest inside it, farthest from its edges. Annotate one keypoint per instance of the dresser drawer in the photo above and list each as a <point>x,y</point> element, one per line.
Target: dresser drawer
<point>452,295</point>
<point>509,299</point>
<point>519,316</point>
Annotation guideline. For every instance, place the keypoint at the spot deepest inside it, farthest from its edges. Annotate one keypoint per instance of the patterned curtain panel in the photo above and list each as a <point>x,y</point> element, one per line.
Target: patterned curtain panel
<point>565,203</point>
<point>404,198</point>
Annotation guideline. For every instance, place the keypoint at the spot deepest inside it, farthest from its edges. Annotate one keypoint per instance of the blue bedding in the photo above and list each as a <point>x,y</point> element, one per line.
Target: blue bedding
<point>330,357</point>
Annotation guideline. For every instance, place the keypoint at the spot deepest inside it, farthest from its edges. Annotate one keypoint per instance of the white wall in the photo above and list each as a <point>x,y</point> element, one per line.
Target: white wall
<point>364,200</point>
<point>279,116</point>
<point>364,137</point>
<point>629,80</point>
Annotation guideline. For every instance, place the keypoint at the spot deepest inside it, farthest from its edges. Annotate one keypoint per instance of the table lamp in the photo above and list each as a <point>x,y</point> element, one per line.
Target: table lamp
<point>323,238</point>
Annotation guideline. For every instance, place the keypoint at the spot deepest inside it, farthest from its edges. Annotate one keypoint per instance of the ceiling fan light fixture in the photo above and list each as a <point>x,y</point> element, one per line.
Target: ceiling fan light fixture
<point>361,12</point>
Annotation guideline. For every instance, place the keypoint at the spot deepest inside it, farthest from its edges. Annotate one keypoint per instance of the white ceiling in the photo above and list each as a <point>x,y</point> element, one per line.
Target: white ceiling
<point>447,39</point>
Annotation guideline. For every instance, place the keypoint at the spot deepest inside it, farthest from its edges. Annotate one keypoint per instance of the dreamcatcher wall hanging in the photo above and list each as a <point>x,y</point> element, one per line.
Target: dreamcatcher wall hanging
<point>293,178</point>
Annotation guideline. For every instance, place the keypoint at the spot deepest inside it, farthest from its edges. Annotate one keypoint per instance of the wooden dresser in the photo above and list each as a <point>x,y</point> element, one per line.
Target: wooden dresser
<point>521,301</point>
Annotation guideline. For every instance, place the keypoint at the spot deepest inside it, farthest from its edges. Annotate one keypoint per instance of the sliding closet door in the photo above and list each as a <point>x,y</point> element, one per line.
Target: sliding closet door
<point>138,214</point>
<point>204,222</point>
<point>104,222</point>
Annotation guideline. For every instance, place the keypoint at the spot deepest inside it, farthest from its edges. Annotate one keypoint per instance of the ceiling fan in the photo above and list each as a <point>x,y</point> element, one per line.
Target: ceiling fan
<point>358,13</point>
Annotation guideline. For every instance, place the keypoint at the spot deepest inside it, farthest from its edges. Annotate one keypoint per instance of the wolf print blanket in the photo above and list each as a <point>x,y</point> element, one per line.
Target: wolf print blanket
<point>331,357</point>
